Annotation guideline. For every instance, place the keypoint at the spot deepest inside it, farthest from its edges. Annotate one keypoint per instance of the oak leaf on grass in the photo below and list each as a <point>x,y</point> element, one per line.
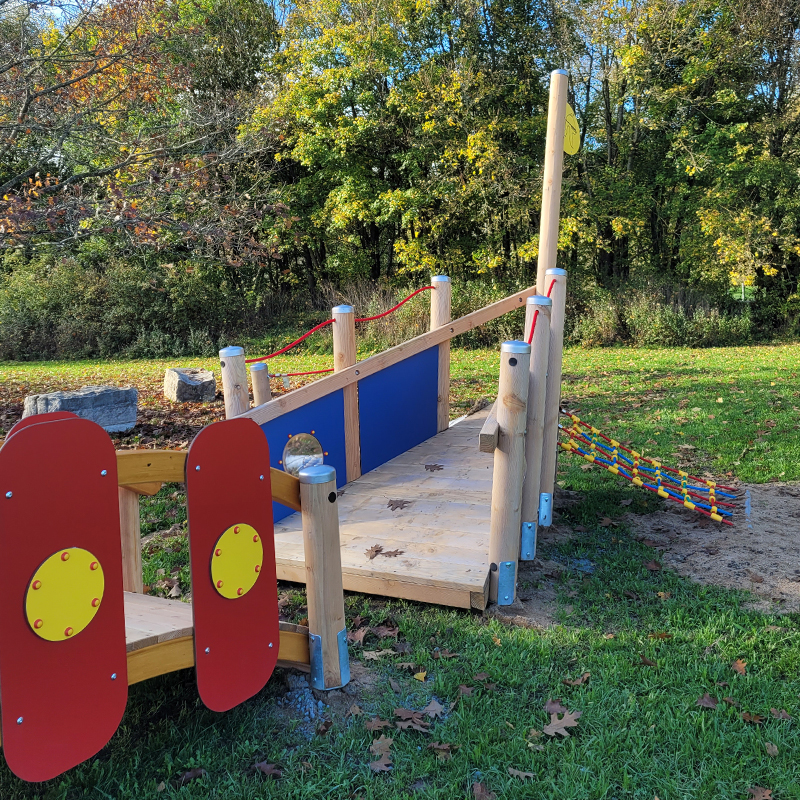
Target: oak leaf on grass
<point>771,749</point>
<point>753,719</point>
<point>381,745</point>
<point>739,666</point>
<point>707,701</point>
<point>191,775</point>
<point>779,714</point>
<point>269,770</point>
<point>377,724</point>
<point>555,707</point>
<point>434,709</point>
<point>653,566</point>
<point>481,792</point>
<point>516,773</point>
<point>558,725</point>
<point>383,764</point>
<point>579,681</point>
<point>759,793</point>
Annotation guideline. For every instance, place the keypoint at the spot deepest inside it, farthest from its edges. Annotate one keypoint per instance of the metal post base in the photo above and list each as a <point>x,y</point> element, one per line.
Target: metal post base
<point>318,668</point>
<point>545,509</point>
<point>527,551</point>
<point>506,583</point>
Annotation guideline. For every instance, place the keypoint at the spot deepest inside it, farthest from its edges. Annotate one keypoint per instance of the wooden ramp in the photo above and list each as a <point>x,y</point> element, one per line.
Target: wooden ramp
<point>441,494</point>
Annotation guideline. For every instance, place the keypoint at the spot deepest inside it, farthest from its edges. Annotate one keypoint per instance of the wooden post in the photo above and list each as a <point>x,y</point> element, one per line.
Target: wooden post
<point>131,532</point>
<point>537,386</point>
<point>553,395</point>
<point>330,665</point>
<point>259,375</point>
<point>553,167</point>
<point>509,471</point>
<point>344,355</point>
<point>234,381</point>
<point>441,298</point>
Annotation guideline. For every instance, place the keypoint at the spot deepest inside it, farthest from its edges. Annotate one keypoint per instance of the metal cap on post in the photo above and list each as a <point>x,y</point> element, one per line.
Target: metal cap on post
<point>234,381</point>
<point>327,635</point>
<point>509,471</point>
<point>538,312</point>
<point>558,277</point>
<point>259,376</point>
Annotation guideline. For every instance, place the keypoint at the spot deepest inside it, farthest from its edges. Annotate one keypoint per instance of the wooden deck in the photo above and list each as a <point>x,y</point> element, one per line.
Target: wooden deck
<point>442,531</point>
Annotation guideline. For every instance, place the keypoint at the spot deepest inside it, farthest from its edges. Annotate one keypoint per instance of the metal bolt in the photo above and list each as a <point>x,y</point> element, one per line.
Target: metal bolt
<point>506,597</point>
<point>270,644</point>
<point>208,649</point>
<point>104,472</point>
<point>197,468</point>
<point>19,720</point>
<point>261,477</point>
<point>9,495</point>
<point>113,676</point>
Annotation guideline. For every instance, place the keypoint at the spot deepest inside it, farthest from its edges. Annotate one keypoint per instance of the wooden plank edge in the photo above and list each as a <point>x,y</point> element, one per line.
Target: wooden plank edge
<point>137,468</point>
<point>369,366</point>
<point>490,433</point>
<point>480,600</point>
<point>175,654</point>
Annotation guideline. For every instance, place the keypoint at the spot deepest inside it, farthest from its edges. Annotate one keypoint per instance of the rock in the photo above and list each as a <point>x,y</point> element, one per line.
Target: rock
<point>112,408</point>
<point>189,385</point>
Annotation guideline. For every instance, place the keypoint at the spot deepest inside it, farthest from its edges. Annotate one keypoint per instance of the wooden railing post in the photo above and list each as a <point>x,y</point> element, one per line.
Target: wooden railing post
<point>330,665</point>
<point>234,381</point>
<point>131,533</point>
<point>344,355</point>
<point>509,471</point>
<point>553,395</point>
<point>441,300</point>
<point>537,387</point>
<point>553,167</point>
<point>259,375</point>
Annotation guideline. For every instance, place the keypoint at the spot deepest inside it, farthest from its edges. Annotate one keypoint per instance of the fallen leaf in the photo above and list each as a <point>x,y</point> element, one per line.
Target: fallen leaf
<point>377,724</point>
<point>385,631</point>
<point>664,595</point>
<point>374,655</point>
<point>381,745</point>
<point>739,666</point>
<point>496,640</point>
<point>730,701</point>
<point>480,792</point>
<point>409,665</point>
<point>161,786</point>
<point>707,701</point>
<point>558,725</point>
<point>779,714</point>
<point>771,749</point>
<point>578,681</point>
<point>626,502</point>
<point>354,711</point>
<point>759,793</point>
<point>402,647</point>
<point>605,522</point>
<point>383,764</point>
<point>480,677</point>
<point>324,727</point>
<point>659,635</point>
<point>392,553</point>
<point>586,467</point>
<point>191,775</point>
<point>753,719</point>
<point>434,467</point>
<point>515,773</point>
<point>268,769</point>
<point>357,637</point>
<point>653,566</point>
<point>608,635</point>
<point>394,685</point>
<point>755,577</point>
<point>420,676</point>
<point>306,765</point>
<point>444,653</point>
<point>644,662</point>
<point>465,691</point>
<point>373,551</point>
<point>422,727</point>
<point>443,751</point>
<point>554,707</point>
<point>434,709</point>
<point>395,504</point>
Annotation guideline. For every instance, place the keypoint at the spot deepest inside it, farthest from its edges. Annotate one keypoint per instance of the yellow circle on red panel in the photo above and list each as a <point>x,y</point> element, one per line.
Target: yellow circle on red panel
<point>236,561</point>
<point>64,594</point>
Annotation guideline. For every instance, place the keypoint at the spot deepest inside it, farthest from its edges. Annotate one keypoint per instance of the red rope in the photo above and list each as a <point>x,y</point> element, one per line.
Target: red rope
<point>552,284</point>
<point>386,313</point>
<point>289,346</point>
<point>533,326</point>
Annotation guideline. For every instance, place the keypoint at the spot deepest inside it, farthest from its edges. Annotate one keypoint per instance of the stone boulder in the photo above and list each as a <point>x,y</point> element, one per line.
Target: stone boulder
<point>112,408</point>
<point>189,385</point>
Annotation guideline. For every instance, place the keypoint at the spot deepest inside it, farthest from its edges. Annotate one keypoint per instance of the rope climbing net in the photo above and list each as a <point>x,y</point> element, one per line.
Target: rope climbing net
<point>698,494</point>
<point>319,328</point>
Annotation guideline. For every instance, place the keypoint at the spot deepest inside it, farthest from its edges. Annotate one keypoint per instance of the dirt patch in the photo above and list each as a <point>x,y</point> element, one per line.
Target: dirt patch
<point>761,552</point>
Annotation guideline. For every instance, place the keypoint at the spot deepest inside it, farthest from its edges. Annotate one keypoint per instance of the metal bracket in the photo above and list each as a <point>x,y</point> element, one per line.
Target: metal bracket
<point>506,582</point>
<point>545,509</point>
<point>317,666</point>
<point>527,550</point>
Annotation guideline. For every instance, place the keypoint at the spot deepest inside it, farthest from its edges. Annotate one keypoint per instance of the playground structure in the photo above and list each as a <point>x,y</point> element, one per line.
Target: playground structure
<point>406,505</point>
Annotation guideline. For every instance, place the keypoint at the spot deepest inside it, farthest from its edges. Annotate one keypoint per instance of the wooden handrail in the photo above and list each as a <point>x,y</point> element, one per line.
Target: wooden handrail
<point>369,366</point>
<point>136,467</point>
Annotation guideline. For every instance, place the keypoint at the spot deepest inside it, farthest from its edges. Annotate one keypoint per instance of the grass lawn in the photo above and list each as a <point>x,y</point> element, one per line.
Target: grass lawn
<point>652,642</point>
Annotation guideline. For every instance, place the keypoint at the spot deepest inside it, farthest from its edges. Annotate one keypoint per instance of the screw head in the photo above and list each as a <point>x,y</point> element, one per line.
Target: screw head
<point>208,649</point>
<point>197,468</point>
<point>19,720</point>
<point>113,676</point>
<point>104,472</point>
<point>9,495</point>
<point>261,477</point>
<point>506,597</point>
<point>270,644</point>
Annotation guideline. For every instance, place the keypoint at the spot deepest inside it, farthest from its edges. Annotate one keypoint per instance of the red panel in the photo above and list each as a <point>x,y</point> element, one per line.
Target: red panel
<point>228,483</point>
<point>53,416</point>
<point>63,691</point>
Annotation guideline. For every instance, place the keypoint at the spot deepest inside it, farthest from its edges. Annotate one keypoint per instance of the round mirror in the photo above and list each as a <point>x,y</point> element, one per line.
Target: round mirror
<point>302,450</point>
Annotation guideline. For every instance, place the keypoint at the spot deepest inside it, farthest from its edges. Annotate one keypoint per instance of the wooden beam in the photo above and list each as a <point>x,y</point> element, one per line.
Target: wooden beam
<point>344,356</point>
<point>490,433</point>
<point>441,299</point>
<point>338,380</point>
<point>131,531</point>
<point>135,467</point>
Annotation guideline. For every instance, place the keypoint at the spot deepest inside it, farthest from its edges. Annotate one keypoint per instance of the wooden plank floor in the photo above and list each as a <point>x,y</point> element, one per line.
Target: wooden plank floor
<point>443,532</point>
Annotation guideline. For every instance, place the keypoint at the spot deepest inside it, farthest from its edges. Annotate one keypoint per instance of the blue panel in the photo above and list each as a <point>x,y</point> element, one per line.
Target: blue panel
<point>326,418</point>
<point>397,408</point>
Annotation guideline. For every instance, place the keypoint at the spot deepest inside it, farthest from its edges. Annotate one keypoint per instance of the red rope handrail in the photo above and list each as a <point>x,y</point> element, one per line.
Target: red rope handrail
<point>322,325</point>
<point>536,313</point>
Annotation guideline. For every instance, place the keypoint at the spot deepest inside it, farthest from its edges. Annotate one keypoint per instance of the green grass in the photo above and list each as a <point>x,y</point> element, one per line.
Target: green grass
<point>640,734</point>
